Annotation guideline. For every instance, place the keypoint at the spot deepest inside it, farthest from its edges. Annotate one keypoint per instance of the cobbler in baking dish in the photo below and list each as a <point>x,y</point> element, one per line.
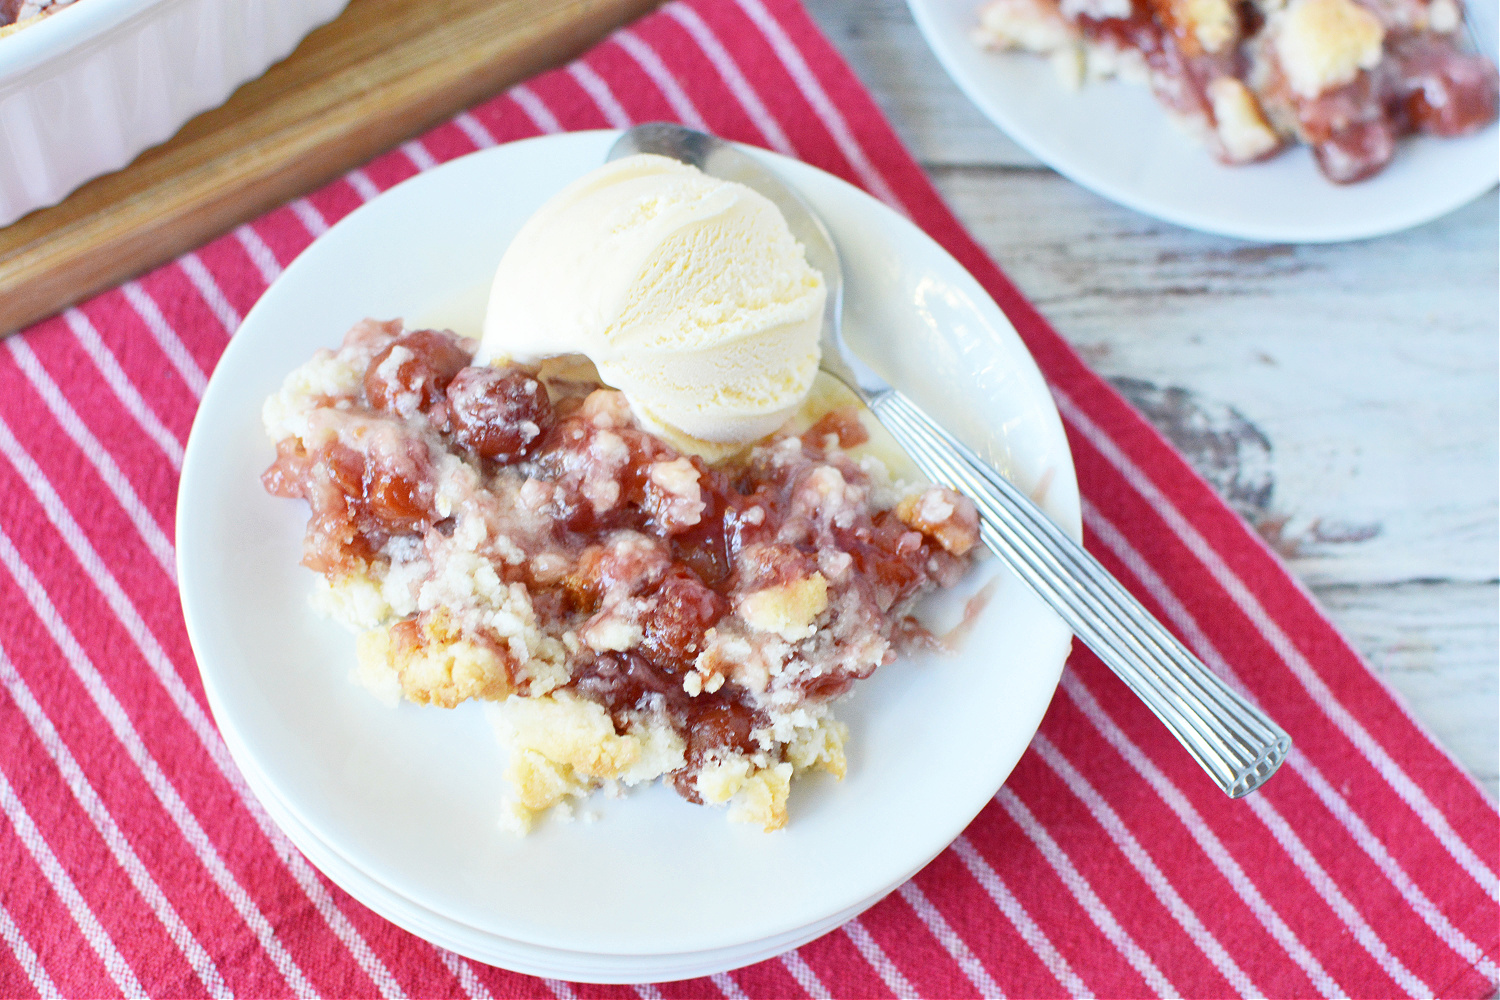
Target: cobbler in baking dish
<point>1348,78</point>
<point>631,612</point>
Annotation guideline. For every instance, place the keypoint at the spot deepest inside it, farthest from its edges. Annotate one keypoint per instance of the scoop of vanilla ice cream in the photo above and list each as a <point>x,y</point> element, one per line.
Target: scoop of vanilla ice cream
<point>688,293</point>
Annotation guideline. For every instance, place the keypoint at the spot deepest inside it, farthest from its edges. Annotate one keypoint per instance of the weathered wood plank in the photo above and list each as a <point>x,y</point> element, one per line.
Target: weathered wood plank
<point>1435,644</point>
<point>1369,367</point>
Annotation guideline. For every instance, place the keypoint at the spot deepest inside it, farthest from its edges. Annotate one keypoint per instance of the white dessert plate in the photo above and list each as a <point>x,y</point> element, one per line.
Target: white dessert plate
<point>1116,140</point>
<point>409,798</point>
<point>517,956</point>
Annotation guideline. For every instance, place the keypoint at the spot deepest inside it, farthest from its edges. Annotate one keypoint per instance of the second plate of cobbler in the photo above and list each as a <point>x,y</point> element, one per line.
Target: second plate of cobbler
<point>1300,121</point>
<point>537,673</point>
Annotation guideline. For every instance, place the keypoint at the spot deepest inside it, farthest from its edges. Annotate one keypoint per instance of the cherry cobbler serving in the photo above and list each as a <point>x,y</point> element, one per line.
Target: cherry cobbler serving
<point>1348,78</point>
<point>631,611</point>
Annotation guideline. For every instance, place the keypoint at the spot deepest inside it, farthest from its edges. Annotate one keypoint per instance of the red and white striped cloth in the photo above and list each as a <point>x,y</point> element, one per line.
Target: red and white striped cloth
<point>136,861</point>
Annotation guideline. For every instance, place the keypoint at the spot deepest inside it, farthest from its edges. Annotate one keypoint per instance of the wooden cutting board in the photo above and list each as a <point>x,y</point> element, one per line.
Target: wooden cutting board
<point>382,72</point>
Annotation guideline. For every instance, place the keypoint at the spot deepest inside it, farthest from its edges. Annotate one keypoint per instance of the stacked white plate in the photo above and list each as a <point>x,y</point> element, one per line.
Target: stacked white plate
<point>401,806</point>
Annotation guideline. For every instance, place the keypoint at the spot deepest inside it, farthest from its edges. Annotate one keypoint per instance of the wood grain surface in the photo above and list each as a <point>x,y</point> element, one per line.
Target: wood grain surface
<point>382,72</point>
<point>1343,398</point>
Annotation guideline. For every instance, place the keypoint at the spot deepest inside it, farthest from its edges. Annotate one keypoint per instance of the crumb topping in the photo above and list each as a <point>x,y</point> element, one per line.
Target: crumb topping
<point>1325,43</point>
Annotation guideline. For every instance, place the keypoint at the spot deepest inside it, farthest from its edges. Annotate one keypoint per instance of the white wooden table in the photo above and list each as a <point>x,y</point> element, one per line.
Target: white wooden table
<point>1342,398</point>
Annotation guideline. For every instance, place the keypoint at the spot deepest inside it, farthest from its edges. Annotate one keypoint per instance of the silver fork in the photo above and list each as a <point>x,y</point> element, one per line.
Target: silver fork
<point>1233,740</point>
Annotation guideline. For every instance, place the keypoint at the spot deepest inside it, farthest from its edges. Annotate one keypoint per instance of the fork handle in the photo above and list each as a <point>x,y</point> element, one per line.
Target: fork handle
<point>1233,740</point>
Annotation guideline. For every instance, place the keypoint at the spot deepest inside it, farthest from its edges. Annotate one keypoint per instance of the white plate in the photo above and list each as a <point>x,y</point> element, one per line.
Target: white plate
<point>1116,140</point>
<point>517,956</point>
<point>409,798</point>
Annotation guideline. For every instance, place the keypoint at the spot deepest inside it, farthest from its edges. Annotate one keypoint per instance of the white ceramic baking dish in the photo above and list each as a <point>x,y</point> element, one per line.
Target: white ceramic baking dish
<point>86,89</point>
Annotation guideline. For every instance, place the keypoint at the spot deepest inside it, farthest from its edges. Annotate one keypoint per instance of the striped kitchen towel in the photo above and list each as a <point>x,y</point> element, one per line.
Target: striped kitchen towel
<point>135,861</point>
